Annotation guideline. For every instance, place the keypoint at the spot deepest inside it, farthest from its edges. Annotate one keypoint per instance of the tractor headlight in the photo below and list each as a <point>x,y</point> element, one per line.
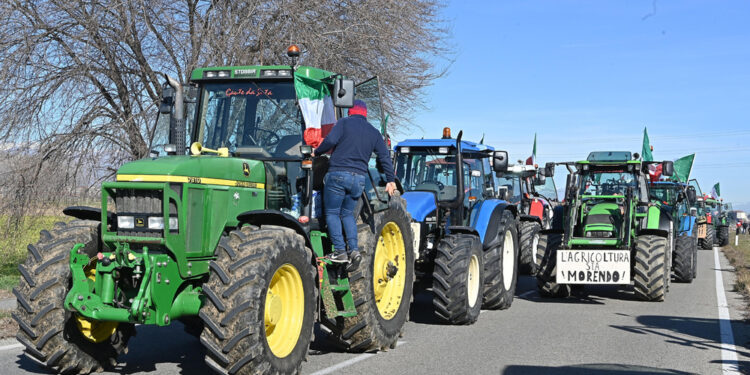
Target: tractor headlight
<point>125,222</point>
<point>156,222</point>
<point>174,224</point>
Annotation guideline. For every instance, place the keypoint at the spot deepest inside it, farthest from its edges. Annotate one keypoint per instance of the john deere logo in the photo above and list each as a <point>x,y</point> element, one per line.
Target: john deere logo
<point>246,169</point>
<point>139,222</point>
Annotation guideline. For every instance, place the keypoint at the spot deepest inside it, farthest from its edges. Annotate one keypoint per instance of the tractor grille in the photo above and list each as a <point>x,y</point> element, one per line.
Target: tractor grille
<point>140,204</point>
<point>599,234</point>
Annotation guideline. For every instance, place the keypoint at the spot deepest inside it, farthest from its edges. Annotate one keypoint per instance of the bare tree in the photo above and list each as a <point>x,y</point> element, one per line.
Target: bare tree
<point>80,79</point>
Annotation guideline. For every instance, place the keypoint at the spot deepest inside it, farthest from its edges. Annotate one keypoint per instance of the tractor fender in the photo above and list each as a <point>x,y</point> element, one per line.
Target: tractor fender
<point>273,217</point>
<point>524,217</point>
<point>89,213</point>
<point>657,221</point>
<point>487,219</point>
<point>419,204</point>
<point>462,229</point>
<point>687,224</point>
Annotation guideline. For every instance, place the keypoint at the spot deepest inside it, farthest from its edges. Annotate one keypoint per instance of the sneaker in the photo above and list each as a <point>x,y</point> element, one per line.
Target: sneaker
<point>339,257</point>
<point>354,259</point>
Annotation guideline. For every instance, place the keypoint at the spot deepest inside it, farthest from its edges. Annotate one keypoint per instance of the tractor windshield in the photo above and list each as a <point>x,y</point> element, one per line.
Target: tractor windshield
<point>430,171</point>
<point>260,119</point>
<point>606,181</point>
<point>663,194</point>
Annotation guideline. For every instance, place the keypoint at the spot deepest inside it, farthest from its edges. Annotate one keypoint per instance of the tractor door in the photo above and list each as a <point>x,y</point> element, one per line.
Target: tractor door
<point>369,92</point>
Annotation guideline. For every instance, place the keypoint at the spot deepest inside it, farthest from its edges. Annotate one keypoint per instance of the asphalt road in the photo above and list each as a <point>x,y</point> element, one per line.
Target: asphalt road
<point>607,332</point>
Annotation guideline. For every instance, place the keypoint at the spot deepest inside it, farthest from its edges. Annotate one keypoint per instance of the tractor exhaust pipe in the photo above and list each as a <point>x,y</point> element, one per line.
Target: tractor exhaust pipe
<point>177,134</point>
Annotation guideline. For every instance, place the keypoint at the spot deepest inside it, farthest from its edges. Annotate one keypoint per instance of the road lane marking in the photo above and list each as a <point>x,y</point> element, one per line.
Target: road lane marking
<point>729,363</point>
<point>349,362</point>
<point>11,346</point>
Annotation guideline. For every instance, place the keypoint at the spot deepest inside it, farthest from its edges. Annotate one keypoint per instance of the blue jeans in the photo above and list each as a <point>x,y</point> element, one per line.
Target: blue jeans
<point>341,194</point>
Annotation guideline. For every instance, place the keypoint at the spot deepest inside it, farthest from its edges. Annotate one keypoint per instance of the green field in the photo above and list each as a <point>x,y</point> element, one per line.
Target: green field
<point>13,244</point>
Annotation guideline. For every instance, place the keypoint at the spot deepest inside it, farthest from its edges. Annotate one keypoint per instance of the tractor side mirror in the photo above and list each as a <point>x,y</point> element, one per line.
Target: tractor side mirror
<point>667,168</point>
<point>343,93</point>
<point>500,161</point>
<point>167,99</point>
<point>540,179</point>
<point>691,195</point>
<point>549,170</point>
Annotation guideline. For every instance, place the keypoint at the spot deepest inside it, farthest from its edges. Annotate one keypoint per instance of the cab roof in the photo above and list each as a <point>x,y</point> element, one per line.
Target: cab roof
<point>449,142</point>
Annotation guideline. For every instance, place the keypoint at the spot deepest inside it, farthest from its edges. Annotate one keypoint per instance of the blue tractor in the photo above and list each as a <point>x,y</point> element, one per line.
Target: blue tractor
<point>465,238</point>
<point>679,200</point>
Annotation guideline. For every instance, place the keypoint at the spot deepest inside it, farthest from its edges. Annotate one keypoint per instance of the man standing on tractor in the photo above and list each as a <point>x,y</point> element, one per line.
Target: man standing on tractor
<point>352,140</point>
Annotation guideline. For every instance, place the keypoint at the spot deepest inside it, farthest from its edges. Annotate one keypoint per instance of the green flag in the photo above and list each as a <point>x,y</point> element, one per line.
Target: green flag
<point>682,168</point>
<point>646,151</point>
<point>716,192</point>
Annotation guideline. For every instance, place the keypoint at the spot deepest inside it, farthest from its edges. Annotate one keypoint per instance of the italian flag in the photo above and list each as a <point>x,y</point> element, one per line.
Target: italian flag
<point>531,159</point>
<point>316,105</point>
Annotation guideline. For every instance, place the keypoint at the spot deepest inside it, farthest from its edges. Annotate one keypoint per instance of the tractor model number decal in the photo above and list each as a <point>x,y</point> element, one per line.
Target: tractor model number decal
<point>194,180</point>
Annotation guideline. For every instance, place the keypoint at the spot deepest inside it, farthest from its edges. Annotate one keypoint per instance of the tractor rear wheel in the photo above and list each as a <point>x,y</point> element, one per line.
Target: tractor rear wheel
<point>501,267</point>
<point>649,278</point>
<point>722,235</point>
<point>694,247</point>
<point>382,284</point>
<point>707,242</point>
<point>546,278</point>
<point>60,339</point>
<point>529,242</point>
<point>684,261</point>
<point>458,279</point>
<point>260,302</point>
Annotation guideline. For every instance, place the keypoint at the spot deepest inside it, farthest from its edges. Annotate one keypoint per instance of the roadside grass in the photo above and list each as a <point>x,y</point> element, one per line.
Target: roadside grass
<point>13,244</point>
<point>739,257</point>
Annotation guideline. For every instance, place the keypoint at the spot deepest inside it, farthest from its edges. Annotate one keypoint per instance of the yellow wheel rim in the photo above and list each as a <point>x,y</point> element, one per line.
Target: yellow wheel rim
<point>389,270</point>
<point>284,311</point>
<point>94,330</point>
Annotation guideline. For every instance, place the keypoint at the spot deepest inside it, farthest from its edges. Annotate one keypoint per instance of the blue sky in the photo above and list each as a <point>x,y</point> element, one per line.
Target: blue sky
<point>588,75</point>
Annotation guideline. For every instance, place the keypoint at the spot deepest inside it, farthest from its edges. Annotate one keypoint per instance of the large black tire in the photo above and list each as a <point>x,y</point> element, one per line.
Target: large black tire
<point>722,235</point>
<point>48,331</point>
<point>707,242</point>
<point>372,329</point>
<point>529,241</point>
<point>546,278</point>
<point>649,278</point>
<point>453,281</point>
<point>235,335</point>
<point>694,245</point>
<point>501,266</point>
<point>683,262</point>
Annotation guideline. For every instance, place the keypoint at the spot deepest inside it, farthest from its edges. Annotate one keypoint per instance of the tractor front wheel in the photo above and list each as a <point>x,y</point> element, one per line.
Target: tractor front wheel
<point>684,261</point>
<point>707,243</point>
<point>529,242</point>
<point>546,278</point>
<point>722,235</point>
<point>260,302</point>
<point>60,339</point>
<point>458,279</point>
<point>501,267</point>
<point>649,278</point>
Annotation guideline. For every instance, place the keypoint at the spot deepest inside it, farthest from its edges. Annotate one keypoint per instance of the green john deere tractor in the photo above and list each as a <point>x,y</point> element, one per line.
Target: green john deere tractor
<point>228,240</point>
<point>609,232</point>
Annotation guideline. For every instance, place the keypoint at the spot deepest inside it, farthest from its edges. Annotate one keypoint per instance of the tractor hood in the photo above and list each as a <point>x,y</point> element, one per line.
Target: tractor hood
<point>203,169</point>
<point>603,217</point>
<point>420,204</point>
